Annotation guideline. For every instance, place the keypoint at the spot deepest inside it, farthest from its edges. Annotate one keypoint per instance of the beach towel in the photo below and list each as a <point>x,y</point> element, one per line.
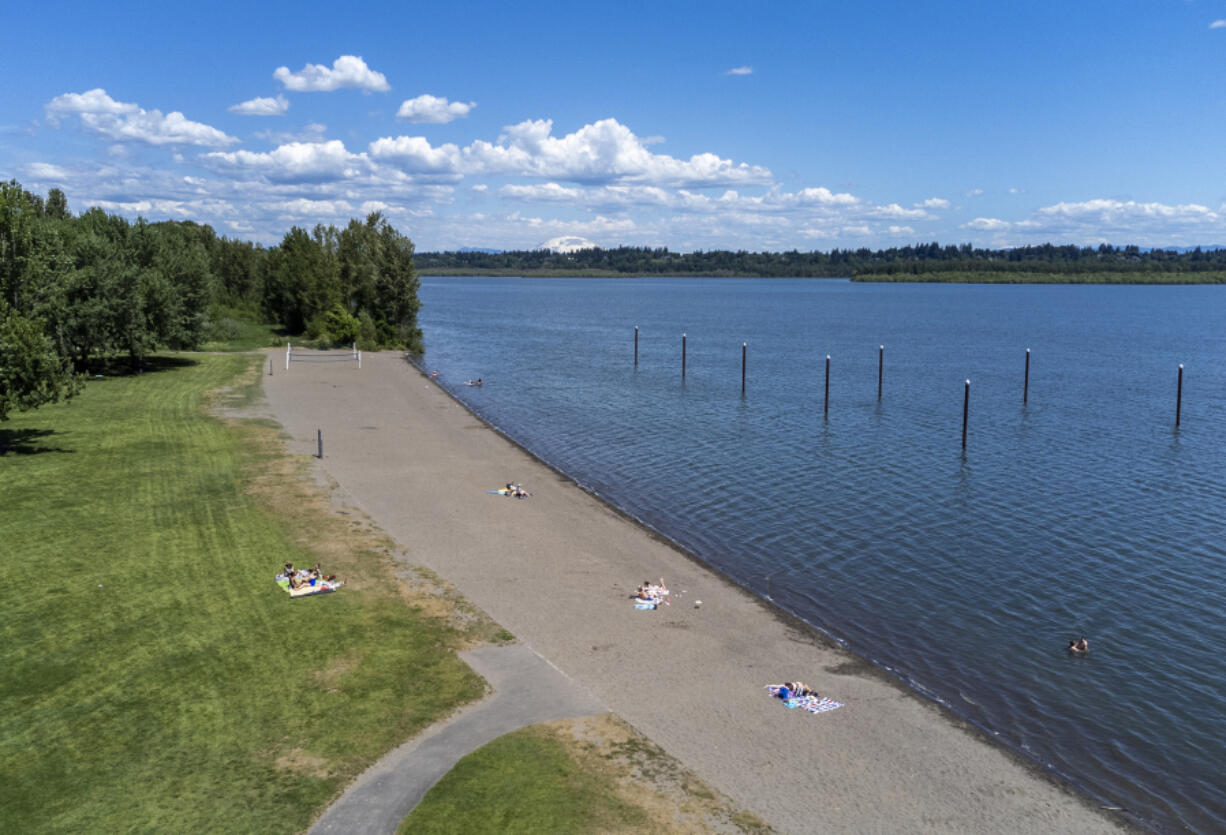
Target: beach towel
<point>810,704</point>
<point>320,587</point>
<point>642,604</point>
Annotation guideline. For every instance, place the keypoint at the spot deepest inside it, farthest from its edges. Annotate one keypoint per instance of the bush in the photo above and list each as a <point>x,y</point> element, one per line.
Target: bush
<point>342,326</point>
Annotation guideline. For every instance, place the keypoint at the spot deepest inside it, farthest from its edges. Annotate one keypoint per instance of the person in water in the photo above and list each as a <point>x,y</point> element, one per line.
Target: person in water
<point>475,382</point>
<point>1078,647</point>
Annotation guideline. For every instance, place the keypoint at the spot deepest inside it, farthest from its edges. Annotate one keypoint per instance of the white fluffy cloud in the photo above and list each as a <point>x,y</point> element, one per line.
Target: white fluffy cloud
<point>346,71</point>
<point>603,152</point>
<point>415,155</point>
<point>1107,220</point>
<point>1218,24</point>
<point>1118,212</point>
<point>987,224</point>
<point>129,122</point>
<point>933,203</point>
<point>295,162</point>
<point>46,171</point>
<point>262,106</point>
<point>433,110</point>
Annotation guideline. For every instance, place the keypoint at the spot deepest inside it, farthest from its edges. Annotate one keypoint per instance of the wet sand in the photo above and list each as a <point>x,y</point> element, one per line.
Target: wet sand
<point>557,570</point>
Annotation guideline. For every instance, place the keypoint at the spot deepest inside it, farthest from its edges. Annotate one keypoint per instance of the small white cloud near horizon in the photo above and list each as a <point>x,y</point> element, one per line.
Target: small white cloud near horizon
<point>433,110</point>
<point>746,70</point>
<point>987,224</point>
<point>128,122</point>
<point>1218,24</point>
<point>47,171</point>
<point>346,71</point>
<point>933,203</point>
<point>262,106</point>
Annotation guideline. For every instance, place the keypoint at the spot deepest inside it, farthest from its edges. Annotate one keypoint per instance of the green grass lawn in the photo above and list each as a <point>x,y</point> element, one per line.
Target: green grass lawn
<point>525,782</point>
<point>152,676</point>
<point>590,775</point>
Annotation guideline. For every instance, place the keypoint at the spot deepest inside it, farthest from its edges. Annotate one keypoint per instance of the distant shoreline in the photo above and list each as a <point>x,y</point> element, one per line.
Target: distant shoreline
<point>872,278</point>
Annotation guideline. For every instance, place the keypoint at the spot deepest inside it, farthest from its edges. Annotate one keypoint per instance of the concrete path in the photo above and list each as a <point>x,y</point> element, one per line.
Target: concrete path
<point>527,689</point>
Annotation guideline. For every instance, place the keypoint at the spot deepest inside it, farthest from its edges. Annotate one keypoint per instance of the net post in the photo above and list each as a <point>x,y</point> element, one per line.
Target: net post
<point>287,350</point>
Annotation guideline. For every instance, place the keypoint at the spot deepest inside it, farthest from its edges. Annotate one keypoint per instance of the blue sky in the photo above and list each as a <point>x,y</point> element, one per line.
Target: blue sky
<point>759,126</point>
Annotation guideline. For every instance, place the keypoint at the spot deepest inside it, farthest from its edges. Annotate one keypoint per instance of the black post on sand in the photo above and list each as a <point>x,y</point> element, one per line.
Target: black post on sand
<point>880,369</point>
<point>1026,384</point>
<point>636,346</point>
<point>744,348</point>
<point>319,436</point>
<point>270,366</point>
<point>966,404</point>
<point>826,408</point>
<point>1179,396</point>
<point>682,356</point>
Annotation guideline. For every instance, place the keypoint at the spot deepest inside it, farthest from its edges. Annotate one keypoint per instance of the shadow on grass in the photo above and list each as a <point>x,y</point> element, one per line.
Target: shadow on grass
<point>27,441</point>
<point>122,366</point>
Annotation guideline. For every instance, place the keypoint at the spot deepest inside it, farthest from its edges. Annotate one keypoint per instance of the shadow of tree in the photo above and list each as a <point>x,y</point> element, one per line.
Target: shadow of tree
<point>122,366</point>
<point>27,441</point>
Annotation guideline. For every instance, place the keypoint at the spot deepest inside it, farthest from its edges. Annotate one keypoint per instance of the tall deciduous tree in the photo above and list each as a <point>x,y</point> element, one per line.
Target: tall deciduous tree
<point>32,372</point>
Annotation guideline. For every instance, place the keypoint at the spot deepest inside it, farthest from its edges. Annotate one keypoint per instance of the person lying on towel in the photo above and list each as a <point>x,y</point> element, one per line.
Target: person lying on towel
<point>796,690</point>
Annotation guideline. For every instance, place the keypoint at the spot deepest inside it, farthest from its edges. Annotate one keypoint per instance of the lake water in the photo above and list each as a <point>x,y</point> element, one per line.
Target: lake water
<point>1084,511</point>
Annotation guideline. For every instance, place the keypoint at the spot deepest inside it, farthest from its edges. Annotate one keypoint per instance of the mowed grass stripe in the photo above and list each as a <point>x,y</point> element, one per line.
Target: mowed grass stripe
<point>152,677</point>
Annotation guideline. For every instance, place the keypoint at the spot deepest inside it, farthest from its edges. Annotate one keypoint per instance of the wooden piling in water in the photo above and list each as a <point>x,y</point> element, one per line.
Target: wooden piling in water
<point>1026,383</point>
<point>682,356</point>
<point>826,408</point>
<point>880,369</point>
<point>966,404</point>
<point>1179,396</point>
<point>636,346</point>
<point>744,350</point>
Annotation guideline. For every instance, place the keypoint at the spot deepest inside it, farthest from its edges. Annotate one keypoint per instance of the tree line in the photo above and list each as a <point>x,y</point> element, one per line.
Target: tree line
<point>929,260</point>
<point>78,292</point>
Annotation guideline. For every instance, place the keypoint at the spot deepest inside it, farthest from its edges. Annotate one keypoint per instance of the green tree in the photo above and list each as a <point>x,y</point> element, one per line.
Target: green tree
<point>32,372</point>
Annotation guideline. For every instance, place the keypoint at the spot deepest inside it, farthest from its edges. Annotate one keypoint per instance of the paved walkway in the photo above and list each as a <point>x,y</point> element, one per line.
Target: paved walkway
<point>527,689</point>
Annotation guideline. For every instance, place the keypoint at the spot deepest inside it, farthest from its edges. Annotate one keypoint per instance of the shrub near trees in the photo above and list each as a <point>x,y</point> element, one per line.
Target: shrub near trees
<point>77,292</point>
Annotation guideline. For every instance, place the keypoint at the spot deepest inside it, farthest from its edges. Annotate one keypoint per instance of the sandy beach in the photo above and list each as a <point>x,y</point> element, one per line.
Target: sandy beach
<point>557,570</point>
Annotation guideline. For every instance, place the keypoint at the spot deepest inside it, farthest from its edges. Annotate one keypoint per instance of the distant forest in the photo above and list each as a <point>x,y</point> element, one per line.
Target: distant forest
<point>923,262</point>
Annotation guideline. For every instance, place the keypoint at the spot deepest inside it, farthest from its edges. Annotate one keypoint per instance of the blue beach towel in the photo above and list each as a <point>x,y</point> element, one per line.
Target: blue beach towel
<point>644,606</point>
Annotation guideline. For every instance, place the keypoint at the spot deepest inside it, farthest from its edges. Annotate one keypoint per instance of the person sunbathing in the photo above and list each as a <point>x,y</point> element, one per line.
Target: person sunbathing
<point>799,689</point>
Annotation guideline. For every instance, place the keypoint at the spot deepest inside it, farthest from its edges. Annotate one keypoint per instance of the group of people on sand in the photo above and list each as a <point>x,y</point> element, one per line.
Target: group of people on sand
<point>651,592</point>
<point>516,490</point>
<point>795,690</point>
<point>301,578</point>
<point>1078,647</point>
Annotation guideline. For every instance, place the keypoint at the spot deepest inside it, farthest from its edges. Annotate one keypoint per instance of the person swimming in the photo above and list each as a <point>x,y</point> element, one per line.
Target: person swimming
<point>1080,647</point>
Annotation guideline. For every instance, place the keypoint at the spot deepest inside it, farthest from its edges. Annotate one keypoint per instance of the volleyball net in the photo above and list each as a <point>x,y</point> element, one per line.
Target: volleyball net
<point>351,354</point>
